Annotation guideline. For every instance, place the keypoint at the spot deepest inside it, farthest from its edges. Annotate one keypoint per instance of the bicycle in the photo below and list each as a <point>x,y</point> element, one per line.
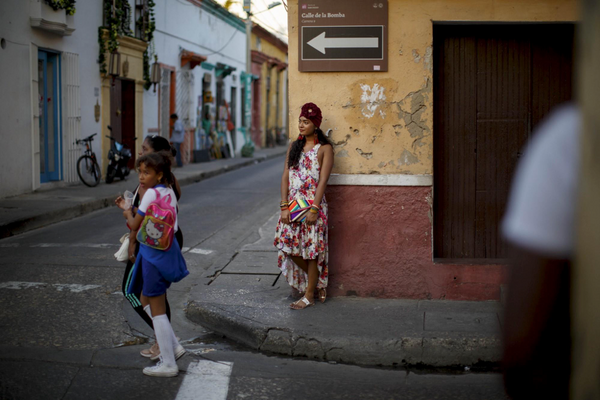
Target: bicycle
<point>87,165</point>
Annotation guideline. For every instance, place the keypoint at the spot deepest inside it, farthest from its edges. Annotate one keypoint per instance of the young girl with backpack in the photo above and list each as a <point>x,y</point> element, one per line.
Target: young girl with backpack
<point>151,144</point>
<point>159,261</point>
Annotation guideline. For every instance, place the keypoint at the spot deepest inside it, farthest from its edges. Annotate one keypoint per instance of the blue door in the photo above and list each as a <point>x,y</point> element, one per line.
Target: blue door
<point>48,83</point>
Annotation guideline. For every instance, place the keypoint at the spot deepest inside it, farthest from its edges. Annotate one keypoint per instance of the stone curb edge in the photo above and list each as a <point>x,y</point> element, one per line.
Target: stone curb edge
<point>412,350</point>
<point>39,221</point>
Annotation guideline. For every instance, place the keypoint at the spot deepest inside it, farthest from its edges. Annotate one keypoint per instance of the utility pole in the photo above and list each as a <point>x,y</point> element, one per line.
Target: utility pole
<point>248,83</point>
<point>585,315</point>
<point>248,102</point>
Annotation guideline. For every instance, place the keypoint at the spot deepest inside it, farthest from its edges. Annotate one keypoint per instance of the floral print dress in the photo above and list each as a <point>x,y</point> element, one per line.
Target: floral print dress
<point>300,239</point>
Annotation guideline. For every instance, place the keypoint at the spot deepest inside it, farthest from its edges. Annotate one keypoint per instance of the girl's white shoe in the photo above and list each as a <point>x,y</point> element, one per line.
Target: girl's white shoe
<point>162,370</point>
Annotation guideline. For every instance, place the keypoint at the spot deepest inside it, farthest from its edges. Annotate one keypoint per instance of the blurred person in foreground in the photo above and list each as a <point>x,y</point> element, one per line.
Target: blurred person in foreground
<point>539,225</point>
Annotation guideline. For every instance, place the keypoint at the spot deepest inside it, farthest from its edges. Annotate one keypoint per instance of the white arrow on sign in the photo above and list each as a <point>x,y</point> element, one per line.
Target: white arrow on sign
<point>321,42</point>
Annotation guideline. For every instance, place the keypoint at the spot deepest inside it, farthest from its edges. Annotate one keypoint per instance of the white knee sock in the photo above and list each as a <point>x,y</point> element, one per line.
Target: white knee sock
<point>173,337</point>
<point>164,333</point>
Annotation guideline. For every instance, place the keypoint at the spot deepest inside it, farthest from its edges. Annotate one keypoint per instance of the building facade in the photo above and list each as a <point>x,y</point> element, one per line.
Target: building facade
<point>201,49</point>
<point>60,85</point>
<point>424,152</point>
<point>50,88</point>
<point>269,103</point>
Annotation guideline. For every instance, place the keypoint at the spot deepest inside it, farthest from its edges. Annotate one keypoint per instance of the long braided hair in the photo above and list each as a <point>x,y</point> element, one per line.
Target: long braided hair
<point>298,146</point>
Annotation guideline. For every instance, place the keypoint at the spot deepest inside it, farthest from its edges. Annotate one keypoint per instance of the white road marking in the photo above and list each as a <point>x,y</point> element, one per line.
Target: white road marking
<point>205,379</point>
<point>201,251</point>
<point>184,249</point>
<point>20,285</point>
<point>95,245</point>
<point>72,287</point>
<point>86,245</point>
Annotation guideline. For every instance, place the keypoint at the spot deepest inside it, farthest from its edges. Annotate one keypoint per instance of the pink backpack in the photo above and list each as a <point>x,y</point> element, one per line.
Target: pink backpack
<point>158,227</point>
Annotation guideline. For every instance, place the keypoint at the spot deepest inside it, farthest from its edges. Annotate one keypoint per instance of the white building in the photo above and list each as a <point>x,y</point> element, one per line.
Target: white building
<point>201,48</point>
<point>50,85</point>
<point>53,92</point>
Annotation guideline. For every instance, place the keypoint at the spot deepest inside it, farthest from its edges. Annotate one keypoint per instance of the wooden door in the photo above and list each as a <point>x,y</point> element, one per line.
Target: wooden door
<point>492,85</point>
<point>116,110</point>
<point>128,118</point>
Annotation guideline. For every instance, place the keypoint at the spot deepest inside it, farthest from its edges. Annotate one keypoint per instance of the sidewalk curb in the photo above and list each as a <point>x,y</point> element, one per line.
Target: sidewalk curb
<point>210,174</point>
<point>39,221</point>
<point>445,350</point>
<point>23,225</point>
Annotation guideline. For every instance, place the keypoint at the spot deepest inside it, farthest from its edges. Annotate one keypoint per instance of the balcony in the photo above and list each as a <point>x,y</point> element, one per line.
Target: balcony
<point>42,16</point>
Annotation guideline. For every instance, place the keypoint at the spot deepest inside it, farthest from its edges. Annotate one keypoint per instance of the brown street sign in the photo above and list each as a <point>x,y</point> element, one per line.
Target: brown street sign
<point>342,35</point>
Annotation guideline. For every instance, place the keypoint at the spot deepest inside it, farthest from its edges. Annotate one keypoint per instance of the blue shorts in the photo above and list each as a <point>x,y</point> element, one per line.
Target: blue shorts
<point>153,282</point>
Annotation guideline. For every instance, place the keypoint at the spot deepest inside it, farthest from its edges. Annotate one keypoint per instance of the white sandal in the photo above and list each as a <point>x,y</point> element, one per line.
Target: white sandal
<point>304,300</point>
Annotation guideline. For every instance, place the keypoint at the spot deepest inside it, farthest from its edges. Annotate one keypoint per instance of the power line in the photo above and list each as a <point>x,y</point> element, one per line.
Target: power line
<point>225,45</point>
<point>275,30</point>
<point>278,30</point>
<point>272,16</point>
<point>277,20</point>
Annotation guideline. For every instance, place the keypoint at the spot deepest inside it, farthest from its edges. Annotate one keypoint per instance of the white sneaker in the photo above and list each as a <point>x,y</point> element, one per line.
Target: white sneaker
<point>161,370</point>
<point>179,352</point>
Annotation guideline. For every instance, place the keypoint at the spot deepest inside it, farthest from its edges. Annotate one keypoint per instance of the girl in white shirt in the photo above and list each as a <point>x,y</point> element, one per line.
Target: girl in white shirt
<point>155,270</point>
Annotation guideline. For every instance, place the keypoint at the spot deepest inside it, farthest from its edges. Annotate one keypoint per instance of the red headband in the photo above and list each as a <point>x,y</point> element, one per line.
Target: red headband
<point>312,112</point>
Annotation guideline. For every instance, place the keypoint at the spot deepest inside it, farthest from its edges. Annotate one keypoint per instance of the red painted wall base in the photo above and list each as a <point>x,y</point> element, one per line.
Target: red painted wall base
<point>380,246</point>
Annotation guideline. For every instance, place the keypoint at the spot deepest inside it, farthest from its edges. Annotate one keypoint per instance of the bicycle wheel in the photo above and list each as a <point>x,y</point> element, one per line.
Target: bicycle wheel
<point>88,171</point>
<point>110,174</point>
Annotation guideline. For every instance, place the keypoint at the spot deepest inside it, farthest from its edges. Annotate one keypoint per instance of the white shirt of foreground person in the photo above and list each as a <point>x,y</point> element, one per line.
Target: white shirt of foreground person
<point>540,216</point>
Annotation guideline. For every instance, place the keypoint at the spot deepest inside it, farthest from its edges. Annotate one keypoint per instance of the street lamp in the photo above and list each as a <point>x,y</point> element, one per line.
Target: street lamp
<point>155,74</point>
<point>114,65</point>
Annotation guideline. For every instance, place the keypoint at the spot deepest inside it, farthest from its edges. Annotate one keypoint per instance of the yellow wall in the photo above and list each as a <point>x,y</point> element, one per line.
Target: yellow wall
<point>271,51</point>
<point>382,122</point>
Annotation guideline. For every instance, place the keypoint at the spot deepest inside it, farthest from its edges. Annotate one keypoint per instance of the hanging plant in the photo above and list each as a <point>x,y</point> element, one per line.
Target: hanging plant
<point>146,24</point>
<point>117,22</point>
<point>67,5</point>
<point>102,55</point>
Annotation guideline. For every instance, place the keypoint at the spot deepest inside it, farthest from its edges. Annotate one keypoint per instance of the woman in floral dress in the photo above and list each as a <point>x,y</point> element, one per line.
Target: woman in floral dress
<point>303,247</point>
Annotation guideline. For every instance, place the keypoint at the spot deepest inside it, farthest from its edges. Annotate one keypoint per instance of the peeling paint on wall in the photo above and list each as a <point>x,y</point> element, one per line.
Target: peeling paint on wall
<point>341,154</point>
<point>429,200</point>
<point>368,156</point>
<point>416,56</point>
<point>384,164</point>
<point>428,58</point>
<point>407,158</point>
<point>371,99</point>
<point>397,129</point>
<point>340,143</point>
<point>412,109</point>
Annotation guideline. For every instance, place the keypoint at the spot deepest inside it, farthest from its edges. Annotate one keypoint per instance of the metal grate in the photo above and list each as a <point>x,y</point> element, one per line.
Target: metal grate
<point>165,94</point>
<point>185,86</point>
<point>72,115</point>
